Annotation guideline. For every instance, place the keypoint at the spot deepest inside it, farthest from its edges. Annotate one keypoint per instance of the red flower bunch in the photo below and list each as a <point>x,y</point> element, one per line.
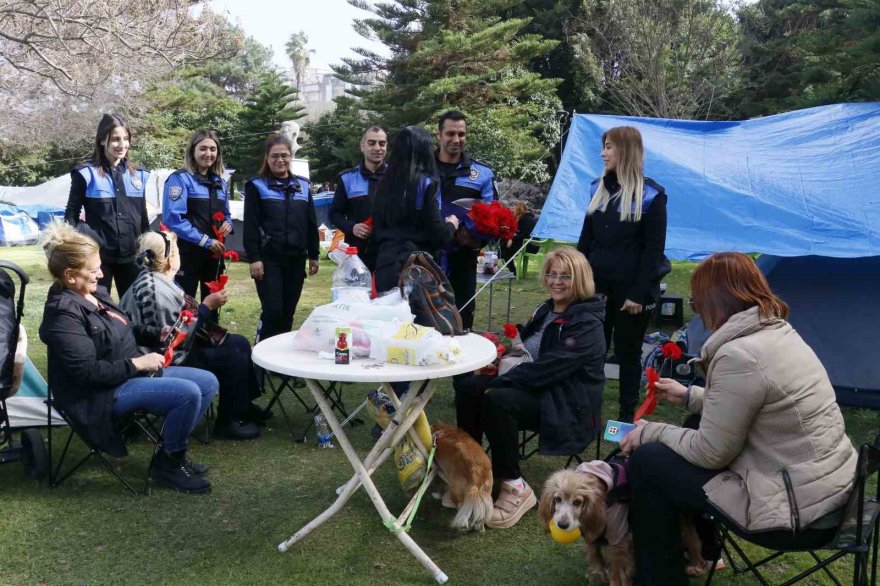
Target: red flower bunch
<point>671,351</point>
<point>493,220</point>
<point>218,285</point>
<point>231,256</point>
<point>185,317</point>
<point>650,403</point>
<point>510,331</point>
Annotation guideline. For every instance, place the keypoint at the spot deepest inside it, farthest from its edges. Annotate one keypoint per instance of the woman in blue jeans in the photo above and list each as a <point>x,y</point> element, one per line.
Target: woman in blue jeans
<point>97,373</point>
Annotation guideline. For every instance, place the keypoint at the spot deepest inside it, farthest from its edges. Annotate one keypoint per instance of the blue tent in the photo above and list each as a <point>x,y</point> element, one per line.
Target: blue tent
<point>16,227</point>
<point>801,187</point>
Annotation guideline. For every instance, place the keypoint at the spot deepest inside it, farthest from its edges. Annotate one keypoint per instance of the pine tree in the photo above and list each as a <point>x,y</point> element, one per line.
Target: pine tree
<point>453,54</point>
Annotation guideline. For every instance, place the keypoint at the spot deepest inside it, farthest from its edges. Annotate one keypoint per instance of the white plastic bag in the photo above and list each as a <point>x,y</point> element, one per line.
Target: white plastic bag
<point>412,344</point>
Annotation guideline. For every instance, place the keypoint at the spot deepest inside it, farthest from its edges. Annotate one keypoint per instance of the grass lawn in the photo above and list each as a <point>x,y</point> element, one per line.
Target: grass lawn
<point>89,531</point>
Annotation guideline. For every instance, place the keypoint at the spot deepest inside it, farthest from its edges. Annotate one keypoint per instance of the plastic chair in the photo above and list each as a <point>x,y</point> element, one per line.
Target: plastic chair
<point>521,262</point>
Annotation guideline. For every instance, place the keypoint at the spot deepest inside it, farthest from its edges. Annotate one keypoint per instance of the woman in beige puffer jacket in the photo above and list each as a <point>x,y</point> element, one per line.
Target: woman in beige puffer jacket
<point>771,452</point>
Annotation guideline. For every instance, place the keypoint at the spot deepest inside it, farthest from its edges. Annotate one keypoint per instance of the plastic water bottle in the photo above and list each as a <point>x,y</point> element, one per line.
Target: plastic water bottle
<point>323,431</point>
<point>351,274</point>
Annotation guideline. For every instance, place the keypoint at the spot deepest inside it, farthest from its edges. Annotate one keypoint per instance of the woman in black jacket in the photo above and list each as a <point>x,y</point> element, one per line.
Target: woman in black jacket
<point>558,394</point>
<point>406,210</point>
<point>280,234</point>
<point>97,373</point>
<point>623,237</point>
<point>111,190</point>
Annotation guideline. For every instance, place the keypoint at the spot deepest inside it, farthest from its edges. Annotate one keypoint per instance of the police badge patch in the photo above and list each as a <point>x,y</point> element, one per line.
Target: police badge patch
<point>175,192</point>
<point>474,174</point>
<point>137,183</point>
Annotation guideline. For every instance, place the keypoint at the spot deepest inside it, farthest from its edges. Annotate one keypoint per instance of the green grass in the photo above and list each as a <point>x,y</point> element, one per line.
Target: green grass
<point>89,531</point>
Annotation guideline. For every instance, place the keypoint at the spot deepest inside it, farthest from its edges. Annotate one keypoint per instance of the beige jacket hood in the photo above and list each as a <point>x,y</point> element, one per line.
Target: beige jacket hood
<point>769,416</point>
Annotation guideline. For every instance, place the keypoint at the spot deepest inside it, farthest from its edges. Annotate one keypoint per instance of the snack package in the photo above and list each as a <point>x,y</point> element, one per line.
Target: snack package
<point>414,345</point>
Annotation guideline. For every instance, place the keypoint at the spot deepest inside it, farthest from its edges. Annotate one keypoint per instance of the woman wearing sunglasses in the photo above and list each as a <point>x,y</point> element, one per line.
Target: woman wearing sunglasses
<point>558,393</point>
<point>280,236</point>
<point>623,237</point>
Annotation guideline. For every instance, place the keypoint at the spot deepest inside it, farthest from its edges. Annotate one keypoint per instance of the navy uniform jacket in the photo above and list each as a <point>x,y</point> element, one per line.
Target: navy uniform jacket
<point>470,180</point>
<point>627,257</point>
<point>116,210</point>
<point>279,218</point>
<point>353,203</point>
<point>189,203</point>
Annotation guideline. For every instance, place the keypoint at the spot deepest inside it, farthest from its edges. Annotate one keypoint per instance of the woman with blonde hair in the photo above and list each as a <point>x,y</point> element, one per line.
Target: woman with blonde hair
<point>623,237</point>
<point>98,374</point>
<point>558,393</point>
<point>195,206</point>
<point>156,300</point>
<point>771,453</point>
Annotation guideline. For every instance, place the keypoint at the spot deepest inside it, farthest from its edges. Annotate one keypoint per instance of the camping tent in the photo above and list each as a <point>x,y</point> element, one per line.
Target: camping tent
<point>800,185</point>
<point>16,227</point>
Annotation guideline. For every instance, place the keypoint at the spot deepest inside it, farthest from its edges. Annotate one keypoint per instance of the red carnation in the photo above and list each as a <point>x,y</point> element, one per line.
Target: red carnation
<point>186,316</point>
<point>231,256</point>
<point>219,217</point>
<point>368,222</point>
<point>650,403</point>
<point>218,285</point>
<point>671,351</point>
<point>510,331</point>
<point>493,220</point>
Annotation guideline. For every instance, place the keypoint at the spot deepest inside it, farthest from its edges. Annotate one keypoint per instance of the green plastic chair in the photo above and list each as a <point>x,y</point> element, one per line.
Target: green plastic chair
<point>521,262</point>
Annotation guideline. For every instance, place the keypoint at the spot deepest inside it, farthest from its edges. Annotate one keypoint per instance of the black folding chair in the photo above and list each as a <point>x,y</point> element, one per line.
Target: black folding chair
<point>143,421</point>
<point>850,530</point>
<point>332,392</point>
<point>526,452</point>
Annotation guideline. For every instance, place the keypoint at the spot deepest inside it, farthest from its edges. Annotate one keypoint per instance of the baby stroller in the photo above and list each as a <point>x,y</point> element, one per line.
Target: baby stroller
<point>29,449</point>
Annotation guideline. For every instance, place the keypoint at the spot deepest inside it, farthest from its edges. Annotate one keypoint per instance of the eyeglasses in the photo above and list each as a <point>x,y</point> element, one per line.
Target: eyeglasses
<point>281,157</point>
<point>556,277</point>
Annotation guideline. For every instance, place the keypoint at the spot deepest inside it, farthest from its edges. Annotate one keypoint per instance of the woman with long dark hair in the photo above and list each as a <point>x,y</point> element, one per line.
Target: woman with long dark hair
<point>623,237</point>
<point>195,206</point>
<point>280,236</point>
<point>771,453</point>
<point>406,211</point>
<point>111,189</point>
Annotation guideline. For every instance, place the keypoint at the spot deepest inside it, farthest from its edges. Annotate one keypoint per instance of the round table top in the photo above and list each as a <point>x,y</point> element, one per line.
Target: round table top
<point>278,355</point>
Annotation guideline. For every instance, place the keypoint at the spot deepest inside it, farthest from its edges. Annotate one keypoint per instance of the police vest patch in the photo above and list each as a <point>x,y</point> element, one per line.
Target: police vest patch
<point>137,183</point>
<point>174,192</point>
<point>474,174</point>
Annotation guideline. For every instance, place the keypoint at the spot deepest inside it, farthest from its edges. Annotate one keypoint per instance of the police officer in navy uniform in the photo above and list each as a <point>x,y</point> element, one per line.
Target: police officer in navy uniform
<point>355,190</point>
<point>461,178</point>
<point>111,189</point>
<point>280,234</point>
<point>195,206</point>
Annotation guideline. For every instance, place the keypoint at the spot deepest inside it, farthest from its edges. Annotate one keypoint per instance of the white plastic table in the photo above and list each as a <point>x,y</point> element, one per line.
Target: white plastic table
<point>278,355</point>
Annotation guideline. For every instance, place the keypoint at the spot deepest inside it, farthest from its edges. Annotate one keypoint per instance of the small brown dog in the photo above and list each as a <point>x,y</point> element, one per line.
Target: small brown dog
<point>579,499</point>
<point>468,474</point>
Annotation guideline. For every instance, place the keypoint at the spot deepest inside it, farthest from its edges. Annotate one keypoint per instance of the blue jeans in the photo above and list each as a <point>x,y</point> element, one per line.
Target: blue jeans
<point>181,394</point>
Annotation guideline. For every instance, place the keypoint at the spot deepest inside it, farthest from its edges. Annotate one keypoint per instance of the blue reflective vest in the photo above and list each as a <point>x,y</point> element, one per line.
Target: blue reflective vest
<point>115,207</point>
<point>189,203</point>
<point>470,180</point>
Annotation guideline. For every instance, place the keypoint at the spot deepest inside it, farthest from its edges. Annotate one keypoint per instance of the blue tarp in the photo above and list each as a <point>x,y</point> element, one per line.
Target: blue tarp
<point>801,183</point>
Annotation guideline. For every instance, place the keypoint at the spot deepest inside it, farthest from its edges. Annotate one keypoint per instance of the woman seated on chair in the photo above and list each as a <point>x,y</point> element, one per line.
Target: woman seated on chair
<point>97,374</point>
<point>156,300</point>
<point>771,453</point>
<point>558,394</point>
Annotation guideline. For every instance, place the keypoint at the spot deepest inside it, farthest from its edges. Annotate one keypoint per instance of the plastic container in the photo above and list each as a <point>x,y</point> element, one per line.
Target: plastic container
<point>323,431</point>
<point>351,273</point>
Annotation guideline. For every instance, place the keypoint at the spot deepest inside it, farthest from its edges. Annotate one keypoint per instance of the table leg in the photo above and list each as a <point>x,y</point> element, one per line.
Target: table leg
<point>491,295</point>
<point>395,432</point>
<point>509,287</point>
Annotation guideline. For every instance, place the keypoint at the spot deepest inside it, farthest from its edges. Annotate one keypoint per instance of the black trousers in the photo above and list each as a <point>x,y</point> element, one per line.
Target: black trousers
<point>231,363</point>
<point>627,332</point>
<point>461,267</point>
<point>664,486</point>
<point>197,267</point>
<point>123,273</point>
<point>279,292</point>
<point>500,413</point>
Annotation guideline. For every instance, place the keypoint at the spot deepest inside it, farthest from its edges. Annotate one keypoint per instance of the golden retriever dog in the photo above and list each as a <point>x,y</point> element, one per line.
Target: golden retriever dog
<point>579,499</point>
<point>468,474</point>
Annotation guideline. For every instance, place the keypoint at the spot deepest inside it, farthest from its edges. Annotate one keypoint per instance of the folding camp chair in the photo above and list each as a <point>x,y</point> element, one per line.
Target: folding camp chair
<point>526,452</point>
<point>142,420</point>
<point>332,392</point>
<point>851,530</point>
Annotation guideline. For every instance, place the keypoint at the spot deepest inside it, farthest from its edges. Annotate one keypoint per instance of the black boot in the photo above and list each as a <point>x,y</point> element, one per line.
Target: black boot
<point>255,414</point>
<point>199,469</point>
<point>236,430</point>
<point>172,471</point>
